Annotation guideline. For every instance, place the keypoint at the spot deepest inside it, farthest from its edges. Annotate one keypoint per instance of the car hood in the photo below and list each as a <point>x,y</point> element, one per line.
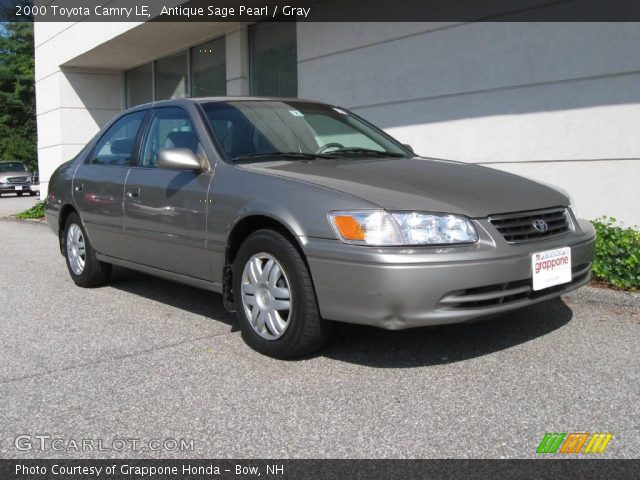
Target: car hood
<point>421,184</point>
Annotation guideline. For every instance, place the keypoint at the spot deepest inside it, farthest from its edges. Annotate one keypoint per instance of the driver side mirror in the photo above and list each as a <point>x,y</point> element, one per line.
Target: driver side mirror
<point>409,147</point>
<point>179,159</point>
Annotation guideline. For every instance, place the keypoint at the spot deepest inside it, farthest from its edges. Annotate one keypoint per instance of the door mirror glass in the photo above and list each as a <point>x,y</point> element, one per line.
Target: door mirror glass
<point>179,159</point>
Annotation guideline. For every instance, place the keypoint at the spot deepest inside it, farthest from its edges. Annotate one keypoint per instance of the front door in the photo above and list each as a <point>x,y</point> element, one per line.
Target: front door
<point>165,210</point>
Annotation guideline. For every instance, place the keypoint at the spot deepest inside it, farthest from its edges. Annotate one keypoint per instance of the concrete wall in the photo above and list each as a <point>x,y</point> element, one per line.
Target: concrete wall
<point>80,75</point>
<point>558,102</point>
<point>71,103</point>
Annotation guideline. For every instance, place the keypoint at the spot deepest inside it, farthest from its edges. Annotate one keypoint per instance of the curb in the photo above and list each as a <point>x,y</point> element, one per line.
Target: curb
<point>606,297</point>
<point>32,221</point>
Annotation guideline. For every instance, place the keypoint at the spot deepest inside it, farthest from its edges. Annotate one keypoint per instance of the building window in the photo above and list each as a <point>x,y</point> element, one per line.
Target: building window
<point>198,72</point>
<point>274,59</point>
<point>139,85</point>
<point>171,77</point>
<point>209,69</point>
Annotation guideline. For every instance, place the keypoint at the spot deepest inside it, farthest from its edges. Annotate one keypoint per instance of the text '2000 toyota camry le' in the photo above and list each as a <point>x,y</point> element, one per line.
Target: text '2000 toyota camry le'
<point>301,214</point>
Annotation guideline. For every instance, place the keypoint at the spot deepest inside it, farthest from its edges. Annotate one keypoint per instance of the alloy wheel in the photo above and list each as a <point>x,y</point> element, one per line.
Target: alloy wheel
<point>76,249</point>
<point>266,296</point>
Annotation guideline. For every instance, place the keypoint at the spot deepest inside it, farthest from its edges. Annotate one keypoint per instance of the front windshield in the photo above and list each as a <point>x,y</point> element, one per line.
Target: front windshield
<point>12,167</point>
<point>253,128</point>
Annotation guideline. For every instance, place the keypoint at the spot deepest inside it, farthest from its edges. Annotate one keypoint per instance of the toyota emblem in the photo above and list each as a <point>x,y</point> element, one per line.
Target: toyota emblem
<point>540,225</point>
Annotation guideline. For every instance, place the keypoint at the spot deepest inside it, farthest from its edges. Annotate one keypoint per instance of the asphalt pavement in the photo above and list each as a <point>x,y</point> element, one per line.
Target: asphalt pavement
<point>11,204</point>
<point>148,359</point>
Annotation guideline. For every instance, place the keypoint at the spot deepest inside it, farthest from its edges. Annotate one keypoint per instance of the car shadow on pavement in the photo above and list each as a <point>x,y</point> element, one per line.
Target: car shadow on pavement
<point>183,297</point>
<point>426,346</point>
<point>371,346</point>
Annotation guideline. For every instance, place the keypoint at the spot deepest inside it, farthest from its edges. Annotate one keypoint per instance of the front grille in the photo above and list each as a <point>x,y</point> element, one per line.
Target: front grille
<point>505,293</point>
<point>520,227</point>
<point>18,179</point>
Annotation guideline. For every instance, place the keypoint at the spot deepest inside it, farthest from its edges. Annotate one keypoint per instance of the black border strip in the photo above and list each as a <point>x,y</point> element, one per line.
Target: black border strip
<point>329,10</point>
<point>584,469</point>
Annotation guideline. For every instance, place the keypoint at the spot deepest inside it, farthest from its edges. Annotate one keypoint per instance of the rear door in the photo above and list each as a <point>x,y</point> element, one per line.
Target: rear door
<point>98,184</point>
<point>165,210</point>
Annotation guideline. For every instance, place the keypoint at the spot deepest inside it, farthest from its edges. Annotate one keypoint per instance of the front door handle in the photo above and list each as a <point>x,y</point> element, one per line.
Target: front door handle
<point>78,188</point>
<point>133,193</point>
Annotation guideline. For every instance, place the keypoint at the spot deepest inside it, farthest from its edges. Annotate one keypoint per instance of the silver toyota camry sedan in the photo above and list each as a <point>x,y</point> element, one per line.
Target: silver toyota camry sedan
<point>301,214</point>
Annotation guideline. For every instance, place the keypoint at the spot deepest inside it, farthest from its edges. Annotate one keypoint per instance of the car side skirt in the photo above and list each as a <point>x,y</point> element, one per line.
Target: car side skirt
<point>156,272</point>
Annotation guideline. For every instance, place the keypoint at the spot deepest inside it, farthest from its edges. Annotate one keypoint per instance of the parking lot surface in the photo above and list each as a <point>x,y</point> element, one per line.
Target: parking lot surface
<point>10,204</point>
<point>148,359</point>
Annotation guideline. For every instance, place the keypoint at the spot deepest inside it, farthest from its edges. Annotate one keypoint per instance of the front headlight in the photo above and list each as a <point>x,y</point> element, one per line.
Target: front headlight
<point>380,228</point>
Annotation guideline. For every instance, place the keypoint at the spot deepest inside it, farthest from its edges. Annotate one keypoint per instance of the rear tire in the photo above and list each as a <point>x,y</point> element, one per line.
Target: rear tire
<point>85,269</point>
<point>270,275</point>
<point>32,194</point>
<point>19,194</point>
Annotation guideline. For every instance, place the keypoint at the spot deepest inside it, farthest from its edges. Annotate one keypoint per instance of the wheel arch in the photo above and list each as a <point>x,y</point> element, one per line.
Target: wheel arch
<point>239,232</point>
<point>66,210</point>
<point>251,223</point>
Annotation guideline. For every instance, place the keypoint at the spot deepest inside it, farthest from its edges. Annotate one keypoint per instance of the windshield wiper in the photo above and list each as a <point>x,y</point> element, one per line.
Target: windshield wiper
<point>367,151</point>
<point>297,155</point>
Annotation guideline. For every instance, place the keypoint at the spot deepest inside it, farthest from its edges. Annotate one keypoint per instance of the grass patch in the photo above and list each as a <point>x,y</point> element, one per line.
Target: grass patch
<point>37,211</point>
<point>617,257</point>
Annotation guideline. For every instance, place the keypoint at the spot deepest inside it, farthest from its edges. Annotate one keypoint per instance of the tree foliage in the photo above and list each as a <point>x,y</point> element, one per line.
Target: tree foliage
<point>17,94</point>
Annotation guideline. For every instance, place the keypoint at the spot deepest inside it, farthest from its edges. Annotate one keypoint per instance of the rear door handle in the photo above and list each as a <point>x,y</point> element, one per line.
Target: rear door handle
<point>133,193</point>
<point>78,188</point>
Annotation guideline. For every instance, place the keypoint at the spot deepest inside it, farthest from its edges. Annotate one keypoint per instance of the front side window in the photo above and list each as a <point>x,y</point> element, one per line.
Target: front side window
<point>260,127</point>
<point>116,147</point>
<point>169,128</point>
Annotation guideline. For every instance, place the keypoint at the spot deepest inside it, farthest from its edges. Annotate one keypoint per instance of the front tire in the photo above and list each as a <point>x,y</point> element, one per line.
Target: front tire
<point>85,269</point>
<point>274,298</point>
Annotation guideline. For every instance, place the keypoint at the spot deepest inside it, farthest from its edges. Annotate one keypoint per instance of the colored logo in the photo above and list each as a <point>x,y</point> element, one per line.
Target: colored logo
<point>575,442</point>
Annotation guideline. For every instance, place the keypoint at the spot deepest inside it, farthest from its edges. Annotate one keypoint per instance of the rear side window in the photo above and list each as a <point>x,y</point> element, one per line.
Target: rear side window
<point>116,147</point>
<point>169,128</point>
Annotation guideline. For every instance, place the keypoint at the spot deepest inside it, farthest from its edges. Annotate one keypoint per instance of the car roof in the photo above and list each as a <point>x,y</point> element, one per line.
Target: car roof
<point>177,101</point>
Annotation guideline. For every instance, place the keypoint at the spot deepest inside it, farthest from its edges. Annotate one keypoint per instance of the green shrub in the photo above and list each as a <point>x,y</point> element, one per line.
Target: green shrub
<point>617,258</point>
<point>37,211</point>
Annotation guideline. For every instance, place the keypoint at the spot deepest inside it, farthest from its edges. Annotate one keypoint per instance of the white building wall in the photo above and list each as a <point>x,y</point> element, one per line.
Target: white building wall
<point>557,102</point>
<point>71,103</point>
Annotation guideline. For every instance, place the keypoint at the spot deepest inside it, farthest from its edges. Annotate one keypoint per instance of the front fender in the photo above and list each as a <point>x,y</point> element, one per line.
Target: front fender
<point>300,206</point>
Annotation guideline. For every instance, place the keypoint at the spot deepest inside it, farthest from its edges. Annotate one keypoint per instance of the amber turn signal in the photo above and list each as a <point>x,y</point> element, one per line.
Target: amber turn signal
<point>349,227</point>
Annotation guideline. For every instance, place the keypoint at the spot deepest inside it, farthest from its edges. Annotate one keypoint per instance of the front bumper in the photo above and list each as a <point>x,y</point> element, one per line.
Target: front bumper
<point>12,188</point>
<point>404,288</point>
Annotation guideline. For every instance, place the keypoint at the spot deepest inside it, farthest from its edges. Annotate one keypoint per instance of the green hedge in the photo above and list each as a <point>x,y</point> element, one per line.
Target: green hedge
<point>37,211</point>
<point>617,258</point>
